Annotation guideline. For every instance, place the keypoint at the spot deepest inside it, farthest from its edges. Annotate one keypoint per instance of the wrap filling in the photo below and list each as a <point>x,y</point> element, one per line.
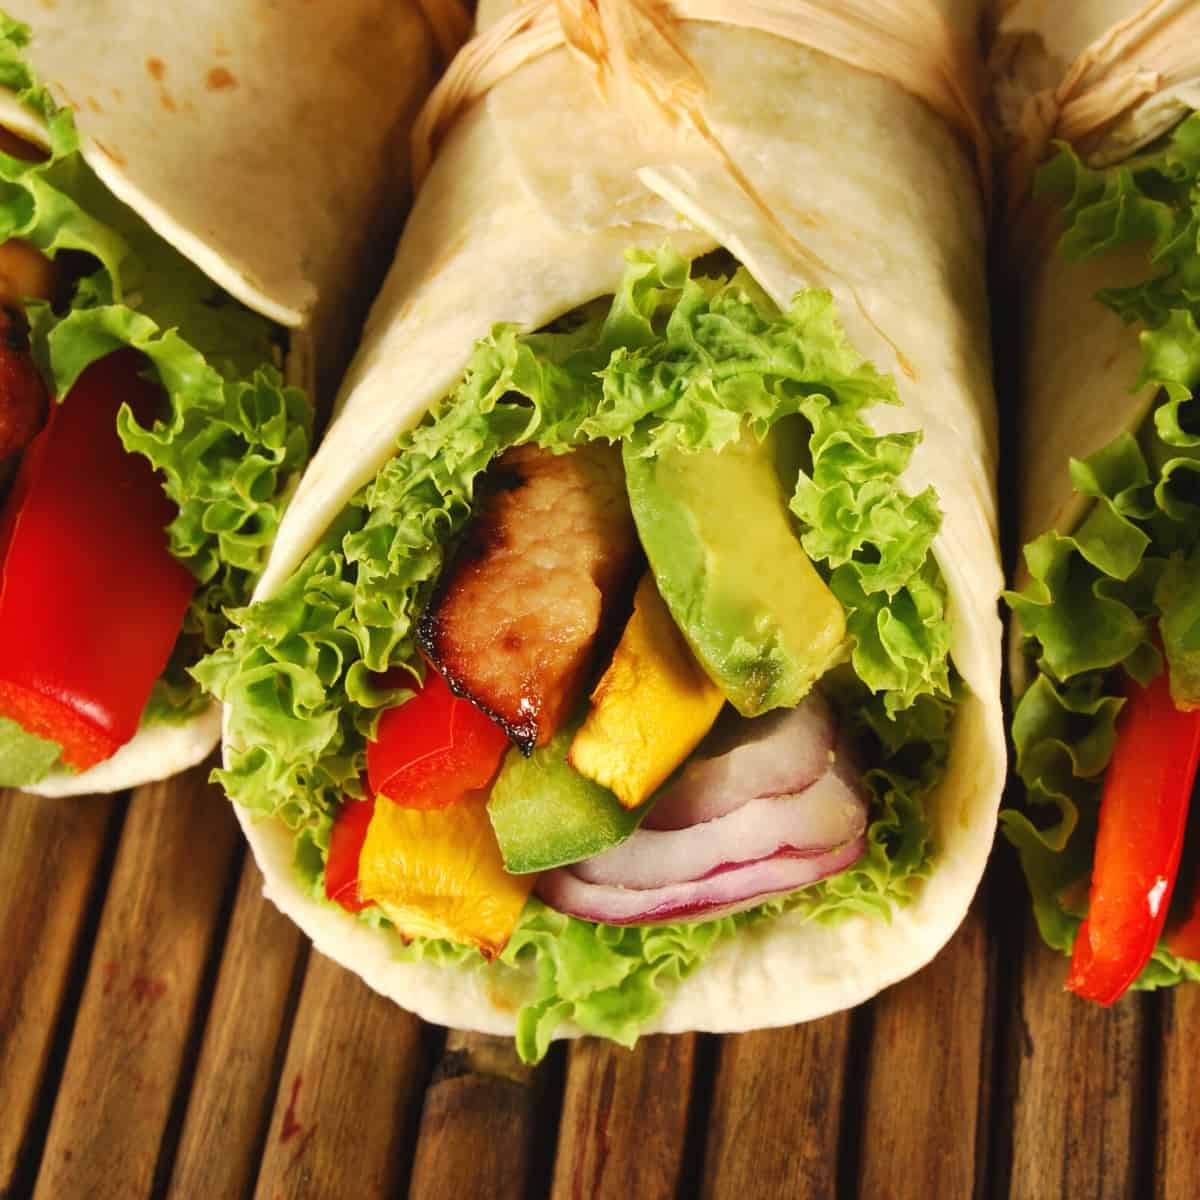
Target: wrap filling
<point>1108,733</point>
<point>148,444</point>
<point>635,642</point>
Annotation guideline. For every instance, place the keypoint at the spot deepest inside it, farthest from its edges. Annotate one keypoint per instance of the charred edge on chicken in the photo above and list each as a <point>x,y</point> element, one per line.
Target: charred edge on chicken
<point>517,618</point>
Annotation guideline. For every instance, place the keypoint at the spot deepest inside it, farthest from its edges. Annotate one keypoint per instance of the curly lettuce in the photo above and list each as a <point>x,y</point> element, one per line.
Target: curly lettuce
<point>1097,596</point>
<point>232,437</point>
<point>674,360</point>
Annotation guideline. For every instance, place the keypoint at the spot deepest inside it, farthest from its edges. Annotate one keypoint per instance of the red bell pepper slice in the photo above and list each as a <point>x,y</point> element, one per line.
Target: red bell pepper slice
<point>434,749</point>
<point>91,600</point>
<point>1183,935</point>
<point>1143,815</point>
<point>345,849</point>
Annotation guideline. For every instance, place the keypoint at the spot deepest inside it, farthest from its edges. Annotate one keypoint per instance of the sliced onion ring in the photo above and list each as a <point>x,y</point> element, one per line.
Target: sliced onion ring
<point>725,892</point>
<point>776,755</point>
<point>826,815</point>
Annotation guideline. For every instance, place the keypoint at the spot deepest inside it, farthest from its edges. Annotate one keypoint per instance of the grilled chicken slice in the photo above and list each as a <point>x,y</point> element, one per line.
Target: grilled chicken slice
<point>23,404</point>
<point>550,556</point>
<point>24,272</point>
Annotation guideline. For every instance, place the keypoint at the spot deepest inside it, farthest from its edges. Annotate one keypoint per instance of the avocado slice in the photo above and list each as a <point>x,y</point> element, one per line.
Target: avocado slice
<point>546,814</point>
<point>716,528</point>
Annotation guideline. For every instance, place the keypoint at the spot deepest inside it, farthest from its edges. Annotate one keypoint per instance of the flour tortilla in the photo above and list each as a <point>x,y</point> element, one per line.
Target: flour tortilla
<point>1058,31</point>
<point>263,141</point>
<point>1079,361</point>
<point>505,230</point>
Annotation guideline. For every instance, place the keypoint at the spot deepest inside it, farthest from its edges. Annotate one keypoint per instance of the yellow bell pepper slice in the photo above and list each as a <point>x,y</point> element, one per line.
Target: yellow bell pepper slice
<point>650,709</point>
<point>437,873</point>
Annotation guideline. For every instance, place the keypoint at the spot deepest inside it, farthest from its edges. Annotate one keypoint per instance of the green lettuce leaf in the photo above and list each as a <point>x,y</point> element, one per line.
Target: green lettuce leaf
<point>232,438</point>
<point>675,360</point>
<point>24,758</point>
<point>1097,596</point>
<point>611,980</point>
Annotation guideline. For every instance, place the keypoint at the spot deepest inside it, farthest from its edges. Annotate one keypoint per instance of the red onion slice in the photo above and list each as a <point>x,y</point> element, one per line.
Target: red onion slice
<point>726,892</point>
<point>825,815</point>
<point>776,755</point>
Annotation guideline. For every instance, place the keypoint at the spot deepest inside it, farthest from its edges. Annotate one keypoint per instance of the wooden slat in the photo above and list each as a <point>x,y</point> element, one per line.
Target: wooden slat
<point>50,851</point>
<point>624,1119</point>
<point>479,1133</point>
<point>233,1089</point>
<point>776,1113</point>
<point>1177,1165</point>
<point>349,1094</point>
<point>131,1036</point>
<point>923,1076</point>
<point>1076,1087</point>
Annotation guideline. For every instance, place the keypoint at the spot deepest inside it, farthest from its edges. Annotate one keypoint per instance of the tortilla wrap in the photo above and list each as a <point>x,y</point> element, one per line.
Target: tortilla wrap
<point>227,128</point>
<point>1079,360</point>
<point>1092,629</point>
<point>873,184</point>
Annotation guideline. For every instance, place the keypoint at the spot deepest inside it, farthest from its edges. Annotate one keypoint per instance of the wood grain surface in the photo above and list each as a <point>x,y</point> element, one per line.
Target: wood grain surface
<point>481,1120</point>
<point>1177,1117</point>
<point>349,1094</point>
<point>128,1050</point>
<point>776,1114</point>
<point>164,1032</point>
<point>625,1118</point>
<point>244,1040</point>
<point>931,1031</point>
<point>50,853</point>
<point>1080,1088</point>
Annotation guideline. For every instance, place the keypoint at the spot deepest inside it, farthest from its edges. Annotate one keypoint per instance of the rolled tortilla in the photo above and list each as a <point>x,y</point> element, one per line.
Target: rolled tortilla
<point>1081,370</point>
<point>874,185</point>
<point>265,143</point>
<point>1079,361</point>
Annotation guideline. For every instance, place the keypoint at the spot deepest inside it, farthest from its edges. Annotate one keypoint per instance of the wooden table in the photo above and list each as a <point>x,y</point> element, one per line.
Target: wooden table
<point>163,1031</point>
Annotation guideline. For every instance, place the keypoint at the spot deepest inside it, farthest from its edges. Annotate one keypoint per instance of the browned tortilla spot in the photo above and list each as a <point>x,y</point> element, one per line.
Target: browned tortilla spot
<point>117,158</point>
